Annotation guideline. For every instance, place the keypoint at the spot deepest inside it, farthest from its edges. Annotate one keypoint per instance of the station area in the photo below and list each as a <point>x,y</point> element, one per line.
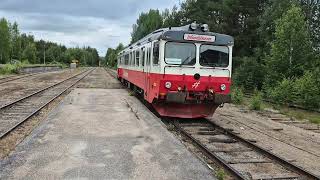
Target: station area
<point>101,133</point>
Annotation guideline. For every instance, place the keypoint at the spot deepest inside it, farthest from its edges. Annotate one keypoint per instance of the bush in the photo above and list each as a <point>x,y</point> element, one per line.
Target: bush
<point>237,95</point>
<point>303,91</point>
<point>256,101</point>
<point>9,69</point>
<point>308,91</point>
<point>249,74</point>
<point>283,92</point>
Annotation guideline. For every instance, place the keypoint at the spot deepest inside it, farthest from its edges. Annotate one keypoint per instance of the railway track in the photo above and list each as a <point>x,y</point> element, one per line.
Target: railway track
<point>15,113</point>
<point>241,157</point>
<point>13,78</point>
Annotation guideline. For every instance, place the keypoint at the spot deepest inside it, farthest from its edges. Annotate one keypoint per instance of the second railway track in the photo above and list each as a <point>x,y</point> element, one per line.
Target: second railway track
<point>241,157</point>
<point>17,112</point>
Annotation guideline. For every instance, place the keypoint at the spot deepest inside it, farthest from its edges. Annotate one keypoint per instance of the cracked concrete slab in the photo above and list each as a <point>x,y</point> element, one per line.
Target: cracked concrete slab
<point>102,134</point>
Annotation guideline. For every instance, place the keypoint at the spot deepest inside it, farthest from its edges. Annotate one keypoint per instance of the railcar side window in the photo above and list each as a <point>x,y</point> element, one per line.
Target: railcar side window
<point>214,56</point>
<point>126,59</point>
<point>143,56</point>
<point>137,57</point>
<point>148,56</point>
<point>180,53</point>
<point>156,53</point>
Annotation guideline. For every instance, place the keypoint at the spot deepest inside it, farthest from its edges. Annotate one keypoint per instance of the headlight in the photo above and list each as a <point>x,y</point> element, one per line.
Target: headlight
<point>193,26</point>
<point>205,27</point>
<point>168,85</point>
<point>223,87</point>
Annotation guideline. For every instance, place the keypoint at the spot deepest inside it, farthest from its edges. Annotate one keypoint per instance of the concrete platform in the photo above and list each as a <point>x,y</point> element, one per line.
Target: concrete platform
<point>102,134</point>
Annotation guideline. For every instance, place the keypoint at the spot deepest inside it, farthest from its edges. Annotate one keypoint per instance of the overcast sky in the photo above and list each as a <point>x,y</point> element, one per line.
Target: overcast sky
<point>97,23</point>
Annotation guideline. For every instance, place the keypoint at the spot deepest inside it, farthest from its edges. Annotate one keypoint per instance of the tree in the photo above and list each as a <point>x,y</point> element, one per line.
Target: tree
<point>146,23</point>
<point>29,53</point>
<point>15,42</point>
<point>112,54</point>
<point>291,51</point>
<point>4,41</point>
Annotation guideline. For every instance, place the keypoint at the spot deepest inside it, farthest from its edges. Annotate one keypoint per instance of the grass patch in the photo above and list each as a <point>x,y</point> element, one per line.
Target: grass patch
<point>221,174</point>
<point>237,95</point>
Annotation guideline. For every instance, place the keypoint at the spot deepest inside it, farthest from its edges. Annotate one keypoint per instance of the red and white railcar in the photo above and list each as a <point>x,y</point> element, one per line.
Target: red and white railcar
<point>183,72</point>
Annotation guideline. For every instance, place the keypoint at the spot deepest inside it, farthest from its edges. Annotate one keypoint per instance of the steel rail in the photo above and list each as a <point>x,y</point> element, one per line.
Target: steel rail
<point>212,156</point>
<point>9,79</point>
<point>41,90</point>
<point>255,147</point>
<point>267,152</point>
<point>44,105</point>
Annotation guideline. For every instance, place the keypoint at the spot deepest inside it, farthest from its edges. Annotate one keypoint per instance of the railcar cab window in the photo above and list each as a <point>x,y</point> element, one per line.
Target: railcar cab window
<point>156,53</point>
<point>180,53</point>
<point>214,56</point>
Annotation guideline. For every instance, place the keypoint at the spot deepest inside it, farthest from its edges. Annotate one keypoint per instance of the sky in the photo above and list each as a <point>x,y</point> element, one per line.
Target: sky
<point>97,23</point>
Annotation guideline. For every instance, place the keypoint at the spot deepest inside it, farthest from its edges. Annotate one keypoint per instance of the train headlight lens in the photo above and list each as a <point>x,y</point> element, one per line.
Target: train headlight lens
<point>168,85</point>
<point>205,27</point>
<point>223,87</point>
<point>193,26</point>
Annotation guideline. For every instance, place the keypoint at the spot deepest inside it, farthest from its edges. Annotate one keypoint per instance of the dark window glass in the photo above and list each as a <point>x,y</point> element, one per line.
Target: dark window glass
<point>180,53</point>
<point>126,59</point>
<point>214,56</point>
<point>137,57</point>
<point>156,53</point>
<point>143,56</point>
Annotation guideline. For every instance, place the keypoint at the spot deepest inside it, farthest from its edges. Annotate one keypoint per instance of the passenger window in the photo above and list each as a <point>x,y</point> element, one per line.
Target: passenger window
<point>156,53</point>
<point>143,56</point>
<point>137,57</point>
<point>126,59</point>
<point>149,56</point>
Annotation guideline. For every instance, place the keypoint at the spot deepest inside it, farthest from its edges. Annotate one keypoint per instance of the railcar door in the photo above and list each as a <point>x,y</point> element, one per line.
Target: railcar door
<point>147,69</point>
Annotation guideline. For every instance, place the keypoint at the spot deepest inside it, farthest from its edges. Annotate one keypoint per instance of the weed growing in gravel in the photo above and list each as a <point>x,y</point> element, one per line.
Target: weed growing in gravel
<point>221,174</point>
<point>256,101</point>
<point>237,95</point>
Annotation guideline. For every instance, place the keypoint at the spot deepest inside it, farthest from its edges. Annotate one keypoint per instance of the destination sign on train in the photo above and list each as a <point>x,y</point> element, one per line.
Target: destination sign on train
<point>196,37</point>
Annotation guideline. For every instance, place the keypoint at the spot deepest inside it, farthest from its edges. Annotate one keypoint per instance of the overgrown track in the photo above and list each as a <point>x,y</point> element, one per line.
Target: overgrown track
<point>17,112</point>
<point>241,157</point>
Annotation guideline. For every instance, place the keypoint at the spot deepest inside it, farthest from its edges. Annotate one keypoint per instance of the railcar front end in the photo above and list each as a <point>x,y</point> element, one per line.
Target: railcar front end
<point>185,73</point>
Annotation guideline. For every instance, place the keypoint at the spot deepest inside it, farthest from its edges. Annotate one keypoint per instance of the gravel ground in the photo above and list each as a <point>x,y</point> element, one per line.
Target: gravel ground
<point>292,143</point>
<point>17,89</point>
<point>100,79</point>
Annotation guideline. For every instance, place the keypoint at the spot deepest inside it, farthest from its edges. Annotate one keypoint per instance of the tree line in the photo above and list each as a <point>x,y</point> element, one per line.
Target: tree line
<point>16,46</point>
<point>277,43</point>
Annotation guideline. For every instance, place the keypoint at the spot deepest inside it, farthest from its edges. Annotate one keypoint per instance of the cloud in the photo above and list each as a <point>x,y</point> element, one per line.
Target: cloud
<point>97,23</point>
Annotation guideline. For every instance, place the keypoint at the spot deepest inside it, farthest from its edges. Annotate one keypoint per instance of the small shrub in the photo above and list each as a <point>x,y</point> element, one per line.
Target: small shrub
<point>10,69</point>
<point>220,174</point>
<point>256,101</point>
<point>237,95</point>
<point>308,91</point>
<point>283,92</point>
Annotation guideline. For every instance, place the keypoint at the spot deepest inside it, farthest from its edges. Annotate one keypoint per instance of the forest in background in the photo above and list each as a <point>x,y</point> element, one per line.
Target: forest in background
<point>277,43</point>
<point>16,47</point>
